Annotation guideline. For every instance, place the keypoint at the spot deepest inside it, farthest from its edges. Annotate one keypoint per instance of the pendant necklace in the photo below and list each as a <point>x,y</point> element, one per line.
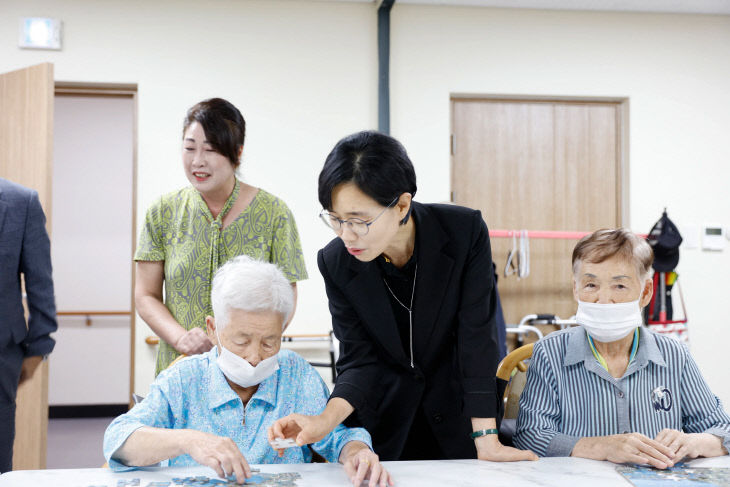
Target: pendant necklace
<point>407,308</point>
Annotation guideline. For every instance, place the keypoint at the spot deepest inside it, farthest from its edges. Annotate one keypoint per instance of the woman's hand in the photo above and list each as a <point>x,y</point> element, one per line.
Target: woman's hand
<point>220,454</point>
<point>691,445</point>
<point>193,342</point>
<point>362,463</point>
<point>301,428</point>
<point>625,448</point>
<point>489,448</point>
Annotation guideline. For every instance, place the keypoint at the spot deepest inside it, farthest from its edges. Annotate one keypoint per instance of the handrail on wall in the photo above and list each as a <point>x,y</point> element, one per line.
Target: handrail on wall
<point>306,337</point>
<point>89,314</point>
<point>549,234</point>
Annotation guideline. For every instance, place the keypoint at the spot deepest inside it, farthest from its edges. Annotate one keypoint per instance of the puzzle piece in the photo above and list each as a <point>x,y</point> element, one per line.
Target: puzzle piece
<point>680,473</point>
<point>259,479</point>
<point>280,443</point>
<point>286,479</point>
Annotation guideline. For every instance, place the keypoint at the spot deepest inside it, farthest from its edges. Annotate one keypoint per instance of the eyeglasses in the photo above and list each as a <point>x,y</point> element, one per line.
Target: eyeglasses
<point>358,226</point>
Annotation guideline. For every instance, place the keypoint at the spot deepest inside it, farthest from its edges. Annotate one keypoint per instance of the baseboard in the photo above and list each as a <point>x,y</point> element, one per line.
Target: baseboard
<point>87,411</point>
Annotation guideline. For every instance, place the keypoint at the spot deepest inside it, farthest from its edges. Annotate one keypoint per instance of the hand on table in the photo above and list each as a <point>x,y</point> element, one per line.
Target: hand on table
<point>690,445</point>
<point>193,342</point>
<point>219,453</point>
<point>625,448</point>
<point>489,448</point>
<point>303,429</point>
<point>361,463</point>
<point>30,364</point>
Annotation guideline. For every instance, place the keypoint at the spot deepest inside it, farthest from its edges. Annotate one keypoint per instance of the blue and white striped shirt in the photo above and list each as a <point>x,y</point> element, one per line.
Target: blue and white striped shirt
<point>568,395</point>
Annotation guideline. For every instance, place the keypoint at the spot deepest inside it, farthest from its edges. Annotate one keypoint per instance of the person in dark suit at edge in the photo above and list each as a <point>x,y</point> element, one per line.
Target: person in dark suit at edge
<point>24,250</point>
<point>412,297</point>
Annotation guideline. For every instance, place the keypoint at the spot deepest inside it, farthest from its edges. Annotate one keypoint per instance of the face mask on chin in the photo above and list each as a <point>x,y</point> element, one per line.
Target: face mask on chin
<point>239,371</point>
<point>609,322</point>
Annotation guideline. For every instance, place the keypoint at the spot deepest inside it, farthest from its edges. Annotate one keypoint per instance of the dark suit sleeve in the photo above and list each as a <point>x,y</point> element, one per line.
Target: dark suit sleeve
<point>357,365</point>
<point>35,265</point>
<point>477,347</point>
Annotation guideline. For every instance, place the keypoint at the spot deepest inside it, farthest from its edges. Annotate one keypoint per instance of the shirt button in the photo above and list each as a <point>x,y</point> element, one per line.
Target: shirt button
<point>418,377</point>
<point>437,418</point>
<point>620,394</point>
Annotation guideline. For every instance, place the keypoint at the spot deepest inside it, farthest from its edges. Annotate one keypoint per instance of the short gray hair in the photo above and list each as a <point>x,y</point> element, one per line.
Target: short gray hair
<point>250,285</point>
<point>606,243</point>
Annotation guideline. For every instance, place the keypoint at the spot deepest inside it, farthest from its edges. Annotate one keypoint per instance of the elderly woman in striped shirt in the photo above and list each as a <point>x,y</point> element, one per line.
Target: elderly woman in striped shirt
<point>611,389</point>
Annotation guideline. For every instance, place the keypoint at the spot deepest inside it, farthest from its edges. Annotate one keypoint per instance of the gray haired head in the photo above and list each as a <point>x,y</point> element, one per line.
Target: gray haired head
<point>250,285</point>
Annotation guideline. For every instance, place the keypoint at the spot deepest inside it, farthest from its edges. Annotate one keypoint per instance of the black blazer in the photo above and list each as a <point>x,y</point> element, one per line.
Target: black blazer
<point>454,335</point>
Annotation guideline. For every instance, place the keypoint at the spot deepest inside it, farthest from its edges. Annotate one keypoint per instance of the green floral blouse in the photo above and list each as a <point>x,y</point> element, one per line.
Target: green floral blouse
<point>180,230</point>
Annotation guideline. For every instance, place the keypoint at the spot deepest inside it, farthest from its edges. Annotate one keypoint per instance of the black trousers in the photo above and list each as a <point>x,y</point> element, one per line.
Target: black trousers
<point>11,359</point>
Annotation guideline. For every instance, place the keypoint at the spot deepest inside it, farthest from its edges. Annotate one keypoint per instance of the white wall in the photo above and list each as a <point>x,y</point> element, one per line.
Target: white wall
<point>304,74</point>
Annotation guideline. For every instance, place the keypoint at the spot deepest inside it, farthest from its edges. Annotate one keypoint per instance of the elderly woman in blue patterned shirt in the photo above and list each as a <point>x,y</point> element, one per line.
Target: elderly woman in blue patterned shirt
<point>214,409</point>
<point>610,389</point>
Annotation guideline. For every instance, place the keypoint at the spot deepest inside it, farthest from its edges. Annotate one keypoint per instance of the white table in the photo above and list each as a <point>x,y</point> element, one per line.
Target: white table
<point>558,472</point>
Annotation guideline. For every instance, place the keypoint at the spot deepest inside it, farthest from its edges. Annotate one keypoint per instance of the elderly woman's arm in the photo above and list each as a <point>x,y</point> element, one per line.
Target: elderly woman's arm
<point>146,435</point>
<point>705,423</point>
<point>691,445</point>
<point>149,446</point>
<point>127,438</point>
<point>538,420</point>
<point>625,448</point>
<point>361,462</point>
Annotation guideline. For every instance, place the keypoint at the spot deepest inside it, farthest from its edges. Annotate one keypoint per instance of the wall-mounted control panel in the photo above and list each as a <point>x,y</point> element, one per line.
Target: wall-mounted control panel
<point>713,237</point>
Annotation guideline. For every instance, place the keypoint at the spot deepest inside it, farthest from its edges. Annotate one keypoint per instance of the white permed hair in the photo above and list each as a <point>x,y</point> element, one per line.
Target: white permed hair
<point>250,285</point>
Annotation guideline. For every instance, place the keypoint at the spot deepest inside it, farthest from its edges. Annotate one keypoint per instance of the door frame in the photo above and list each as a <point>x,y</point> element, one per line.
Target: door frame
<point>622,149</point>
<point>116,90</point>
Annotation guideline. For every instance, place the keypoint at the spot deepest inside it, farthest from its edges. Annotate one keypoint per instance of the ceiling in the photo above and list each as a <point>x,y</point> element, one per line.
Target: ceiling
<point>718,7</point>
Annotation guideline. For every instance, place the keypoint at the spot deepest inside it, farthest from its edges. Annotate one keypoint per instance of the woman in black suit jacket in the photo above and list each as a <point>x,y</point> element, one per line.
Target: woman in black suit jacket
<point>412,298</point>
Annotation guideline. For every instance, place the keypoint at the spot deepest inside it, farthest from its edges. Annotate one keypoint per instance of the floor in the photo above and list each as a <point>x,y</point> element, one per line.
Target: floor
<point>76,443</point>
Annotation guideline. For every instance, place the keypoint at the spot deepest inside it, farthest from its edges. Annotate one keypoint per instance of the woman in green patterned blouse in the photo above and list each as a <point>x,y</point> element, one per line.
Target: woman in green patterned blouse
<point>190,233</point>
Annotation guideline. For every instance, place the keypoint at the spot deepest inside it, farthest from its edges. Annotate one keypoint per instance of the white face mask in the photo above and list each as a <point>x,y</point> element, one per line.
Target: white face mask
<point>609,322</point>
<point>239,371</point>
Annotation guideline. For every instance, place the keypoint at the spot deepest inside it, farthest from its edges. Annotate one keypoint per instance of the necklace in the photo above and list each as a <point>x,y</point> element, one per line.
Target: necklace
<point>407,308</point>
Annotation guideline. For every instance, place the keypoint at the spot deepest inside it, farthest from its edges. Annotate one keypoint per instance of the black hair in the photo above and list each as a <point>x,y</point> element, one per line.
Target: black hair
<point>223,124</point>
<point>376,163</point>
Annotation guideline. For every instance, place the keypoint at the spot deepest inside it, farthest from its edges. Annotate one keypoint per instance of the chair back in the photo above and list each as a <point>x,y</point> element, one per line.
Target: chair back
<point>513,369</point>
<point>177,359</point>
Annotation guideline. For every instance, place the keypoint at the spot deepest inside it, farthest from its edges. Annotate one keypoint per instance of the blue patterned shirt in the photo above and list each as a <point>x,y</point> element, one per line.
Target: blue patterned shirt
<point>568,395</point>
<point>194,394</point>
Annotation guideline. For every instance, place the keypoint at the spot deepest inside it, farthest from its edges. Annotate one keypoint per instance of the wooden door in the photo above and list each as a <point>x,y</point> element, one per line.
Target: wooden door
<point>26,135</point>
<point>538,165</point>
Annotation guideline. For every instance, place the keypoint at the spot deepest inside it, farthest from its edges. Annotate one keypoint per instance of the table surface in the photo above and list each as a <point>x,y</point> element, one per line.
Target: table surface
<point>544,472</point>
